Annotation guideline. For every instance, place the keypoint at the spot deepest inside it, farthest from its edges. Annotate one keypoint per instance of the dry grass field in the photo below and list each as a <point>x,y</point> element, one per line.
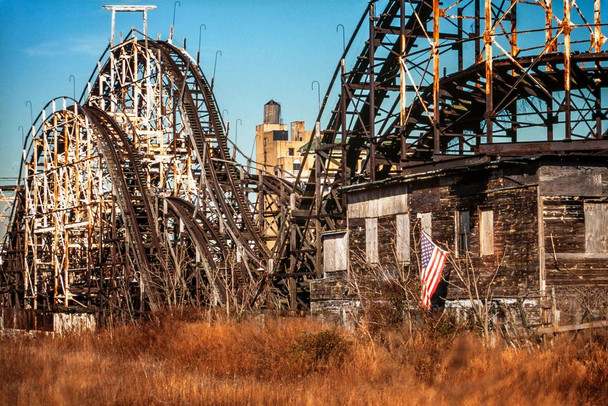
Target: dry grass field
<point>297,361</point>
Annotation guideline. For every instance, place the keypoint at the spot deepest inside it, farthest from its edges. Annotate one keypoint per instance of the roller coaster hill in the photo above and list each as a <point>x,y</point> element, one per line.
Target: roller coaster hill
<point>129,199</point>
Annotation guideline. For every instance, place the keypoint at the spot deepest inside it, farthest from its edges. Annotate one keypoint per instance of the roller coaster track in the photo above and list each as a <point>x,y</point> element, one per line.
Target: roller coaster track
<point>126,196</point>
<point>128,176</point>
<point>207,239</point>
<point>209,140</point>
<point>133,241</point>
<point>195,88</point>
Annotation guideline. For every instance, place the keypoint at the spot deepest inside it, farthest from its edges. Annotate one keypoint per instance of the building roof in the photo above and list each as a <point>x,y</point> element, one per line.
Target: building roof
<point>595,150</point>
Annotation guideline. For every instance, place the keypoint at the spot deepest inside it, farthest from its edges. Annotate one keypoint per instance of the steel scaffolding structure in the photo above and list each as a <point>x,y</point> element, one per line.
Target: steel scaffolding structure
<point>437,81</point>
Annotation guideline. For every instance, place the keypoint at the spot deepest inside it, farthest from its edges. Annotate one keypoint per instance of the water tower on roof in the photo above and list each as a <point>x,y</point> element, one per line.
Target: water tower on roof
<point>272,112</point>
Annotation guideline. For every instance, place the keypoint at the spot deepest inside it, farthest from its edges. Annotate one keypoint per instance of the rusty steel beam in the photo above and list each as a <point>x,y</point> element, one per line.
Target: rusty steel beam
<point>435,56</point>
<point>567,28</point>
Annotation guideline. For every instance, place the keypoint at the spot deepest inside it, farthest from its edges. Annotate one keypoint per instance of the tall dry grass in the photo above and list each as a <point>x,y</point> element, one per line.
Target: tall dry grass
<point>297,361</point>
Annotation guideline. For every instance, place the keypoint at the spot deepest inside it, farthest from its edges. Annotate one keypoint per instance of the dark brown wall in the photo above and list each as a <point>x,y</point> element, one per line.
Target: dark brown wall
<point>515,258</point>
<point>565,189</point>
<point>514,264</point>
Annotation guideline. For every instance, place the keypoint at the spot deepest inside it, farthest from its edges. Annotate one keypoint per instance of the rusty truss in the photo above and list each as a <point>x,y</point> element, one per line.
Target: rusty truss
<point>437,81</point>
<point>131,199</point>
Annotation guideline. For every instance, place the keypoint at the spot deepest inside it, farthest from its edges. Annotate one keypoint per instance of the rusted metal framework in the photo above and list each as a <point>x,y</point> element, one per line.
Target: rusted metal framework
<point>436,81</point>
<point>131,199</point>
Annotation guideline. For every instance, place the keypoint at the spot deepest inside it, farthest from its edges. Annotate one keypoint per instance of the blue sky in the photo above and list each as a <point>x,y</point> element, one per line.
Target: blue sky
<point>271,49</point>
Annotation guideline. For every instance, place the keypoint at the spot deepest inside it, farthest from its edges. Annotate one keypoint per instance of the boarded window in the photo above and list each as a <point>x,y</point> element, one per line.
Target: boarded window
<point>371,240</point>
<point>335,252</point>
<point>486,232</point>
<point>402,242</point>
<point>426,224</point>
<point>596,228</point>
<point>463,231</point>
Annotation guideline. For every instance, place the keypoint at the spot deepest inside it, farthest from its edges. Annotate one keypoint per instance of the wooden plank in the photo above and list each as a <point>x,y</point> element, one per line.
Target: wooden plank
<point>335,249</point>
<point>371,240</point>
<point>486,232</point>
<point>403,238</point>
<point>571,180</point>
<point>426,223</point>
<point>596,227</point>
<point>573,327</point>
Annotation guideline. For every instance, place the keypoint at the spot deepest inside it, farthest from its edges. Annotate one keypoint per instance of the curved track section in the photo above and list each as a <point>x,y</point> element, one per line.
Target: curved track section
<point>127,175</point>
<point>167,95</point>
<point>132,202</point>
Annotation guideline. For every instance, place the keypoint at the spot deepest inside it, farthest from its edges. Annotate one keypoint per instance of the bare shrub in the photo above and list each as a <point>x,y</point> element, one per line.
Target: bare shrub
<point>314,351</point>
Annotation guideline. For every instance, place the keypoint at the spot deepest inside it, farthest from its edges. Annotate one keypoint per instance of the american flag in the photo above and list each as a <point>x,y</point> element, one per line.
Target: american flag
<point>433,261</point>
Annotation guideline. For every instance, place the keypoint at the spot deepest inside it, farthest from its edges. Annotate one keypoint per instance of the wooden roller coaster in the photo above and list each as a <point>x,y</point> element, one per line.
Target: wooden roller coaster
<point>129,199</point>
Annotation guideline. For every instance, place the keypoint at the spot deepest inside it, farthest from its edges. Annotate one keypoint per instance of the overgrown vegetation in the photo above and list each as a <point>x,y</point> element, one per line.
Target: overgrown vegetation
<point>275,360</point>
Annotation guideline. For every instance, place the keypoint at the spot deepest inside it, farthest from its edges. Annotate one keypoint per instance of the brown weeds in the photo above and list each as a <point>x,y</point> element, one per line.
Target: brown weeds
<point>297,361</point>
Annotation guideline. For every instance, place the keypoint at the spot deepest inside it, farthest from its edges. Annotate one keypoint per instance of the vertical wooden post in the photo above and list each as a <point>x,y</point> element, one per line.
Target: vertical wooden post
<point>477,31</point>
<point>318,201</point>
<point>548,22</point>
<point>343,123</point>
<point>291,282</point>
<point>460,38</point>
<point>550,49</point>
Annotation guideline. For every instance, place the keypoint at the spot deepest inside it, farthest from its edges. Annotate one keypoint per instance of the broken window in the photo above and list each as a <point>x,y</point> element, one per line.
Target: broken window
<point>596,228</point>
<point>486,232</point>
<point>371,240</point>
<point>463,232</point>
<point>402,242</point>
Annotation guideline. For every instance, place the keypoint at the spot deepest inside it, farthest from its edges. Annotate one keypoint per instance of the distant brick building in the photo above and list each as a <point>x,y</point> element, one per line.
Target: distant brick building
<point>278,150</point>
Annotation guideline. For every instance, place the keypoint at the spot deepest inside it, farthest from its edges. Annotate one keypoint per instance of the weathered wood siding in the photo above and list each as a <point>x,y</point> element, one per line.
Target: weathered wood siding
<point>538,226</point>
<point>513,265</point>
<point>566,190</point>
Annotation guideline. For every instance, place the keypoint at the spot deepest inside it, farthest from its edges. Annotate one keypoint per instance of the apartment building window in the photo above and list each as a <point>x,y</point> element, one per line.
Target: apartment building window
<point>291,151</point>
<point>280,135</point>
<point>486,232</point>
<point>463,232</point>
<point>296,165</point>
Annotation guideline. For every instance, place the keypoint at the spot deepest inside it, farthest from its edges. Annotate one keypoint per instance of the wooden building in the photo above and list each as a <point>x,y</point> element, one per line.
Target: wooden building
<point>527,230</point>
